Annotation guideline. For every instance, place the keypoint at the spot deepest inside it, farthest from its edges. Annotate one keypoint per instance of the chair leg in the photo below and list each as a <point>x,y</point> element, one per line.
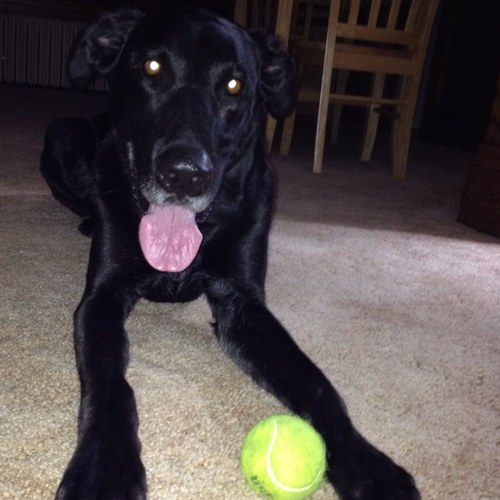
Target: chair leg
<point>319,143</point>
<point>270,129</point>
<point>240,12</point>
<point>340,88</point>
<point>401,137</point>
<point>326,87</point>
<point>372,117</point>
<point>402,129</point>
<point>287,134</point>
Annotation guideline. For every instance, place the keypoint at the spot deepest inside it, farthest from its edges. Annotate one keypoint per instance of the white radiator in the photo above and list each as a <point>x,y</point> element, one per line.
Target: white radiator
<point>34,50</point>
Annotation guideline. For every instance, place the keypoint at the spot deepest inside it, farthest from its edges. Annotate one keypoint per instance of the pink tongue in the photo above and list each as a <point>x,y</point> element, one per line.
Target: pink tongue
<point>169,237</point>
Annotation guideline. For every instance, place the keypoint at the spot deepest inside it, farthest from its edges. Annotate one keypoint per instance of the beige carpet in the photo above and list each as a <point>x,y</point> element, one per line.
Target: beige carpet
<point>395,301</point>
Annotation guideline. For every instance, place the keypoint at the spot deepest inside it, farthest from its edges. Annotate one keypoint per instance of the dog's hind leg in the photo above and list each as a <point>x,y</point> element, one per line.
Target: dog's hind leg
<point>67,160</point>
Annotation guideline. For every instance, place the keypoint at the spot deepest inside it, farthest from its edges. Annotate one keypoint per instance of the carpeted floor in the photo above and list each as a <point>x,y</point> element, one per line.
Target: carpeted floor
<point>394,300</point>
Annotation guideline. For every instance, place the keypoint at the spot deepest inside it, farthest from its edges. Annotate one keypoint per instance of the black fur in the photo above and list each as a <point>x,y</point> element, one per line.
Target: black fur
<point>178,137</point>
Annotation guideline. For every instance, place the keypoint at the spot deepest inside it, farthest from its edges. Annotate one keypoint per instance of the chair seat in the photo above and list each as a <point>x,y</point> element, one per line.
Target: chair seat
<point>312,95</point>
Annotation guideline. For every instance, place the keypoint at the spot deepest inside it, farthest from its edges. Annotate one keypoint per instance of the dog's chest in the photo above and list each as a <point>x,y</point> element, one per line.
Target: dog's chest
<point>172,287</point>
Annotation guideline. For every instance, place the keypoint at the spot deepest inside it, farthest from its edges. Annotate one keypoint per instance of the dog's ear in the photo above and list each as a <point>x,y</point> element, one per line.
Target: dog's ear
<point>278,74</point>
<point>98,47</point>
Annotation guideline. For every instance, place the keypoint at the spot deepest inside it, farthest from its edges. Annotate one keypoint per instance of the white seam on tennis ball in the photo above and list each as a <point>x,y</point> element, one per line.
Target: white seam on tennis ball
<point>270,471</point>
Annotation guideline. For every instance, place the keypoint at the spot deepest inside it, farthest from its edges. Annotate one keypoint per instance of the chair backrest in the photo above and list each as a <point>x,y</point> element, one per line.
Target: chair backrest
<point>393,34</point>
<point>386,36</point>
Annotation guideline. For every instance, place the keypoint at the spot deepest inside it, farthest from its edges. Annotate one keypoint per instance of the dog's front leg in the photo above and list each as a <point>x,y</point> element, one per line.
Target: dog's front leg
<point>106,464</point>
<point>259,344</point>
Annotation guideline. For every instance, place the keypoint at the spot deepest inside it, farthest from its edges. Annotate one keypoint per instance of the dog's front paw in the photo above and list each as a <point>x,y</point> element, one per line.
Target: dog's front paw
<point>364,473</point>
<point>96,474</point>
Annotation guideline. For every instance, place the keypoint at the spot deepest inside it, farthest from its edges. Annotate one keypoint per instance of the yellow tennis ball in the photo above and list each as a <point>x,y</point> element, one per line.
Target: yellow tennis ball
<point>284,458</point>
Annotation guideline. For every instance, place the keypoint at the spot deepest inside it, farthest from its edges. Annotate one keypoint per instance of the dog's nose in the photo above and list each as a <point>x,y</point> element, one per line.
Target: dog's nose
<point>184,173</point>
<point>183,180</point>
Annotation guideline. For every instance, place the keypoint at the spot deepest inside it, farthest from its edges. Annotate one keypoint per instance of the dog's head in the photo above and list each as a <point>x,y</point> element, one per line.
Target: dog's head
<point>189,94</point>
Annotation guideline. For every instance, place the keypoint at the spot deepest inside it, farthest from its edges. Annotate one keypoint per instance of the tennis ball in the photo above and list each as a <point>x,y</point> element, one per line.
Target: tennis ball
<point>283,458</point>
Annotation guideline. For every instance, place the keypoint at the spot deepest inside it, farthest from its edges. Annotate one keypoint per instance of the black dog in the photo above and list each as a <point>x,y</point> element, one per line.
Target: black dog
<point>178,197</point>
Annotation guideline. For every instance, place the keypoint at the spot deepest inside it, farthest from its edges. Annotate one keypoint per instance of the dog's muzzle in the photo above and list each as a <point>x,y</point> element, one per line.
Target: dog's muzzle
<point>181,186</point>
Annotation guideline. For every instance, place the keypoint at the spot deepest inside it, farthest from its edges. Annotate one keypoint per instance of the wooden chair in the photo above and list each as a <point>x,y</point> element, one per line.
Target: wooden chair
<point>376,37</point>
<point>254,13</point>
<point>261,14</point>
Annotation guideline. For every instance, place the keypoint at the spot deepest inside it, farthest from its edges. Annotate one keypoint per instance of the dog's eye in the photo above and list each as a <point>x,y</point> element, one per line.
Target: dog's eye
<point>152,67</point>
<point>234,86</point>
